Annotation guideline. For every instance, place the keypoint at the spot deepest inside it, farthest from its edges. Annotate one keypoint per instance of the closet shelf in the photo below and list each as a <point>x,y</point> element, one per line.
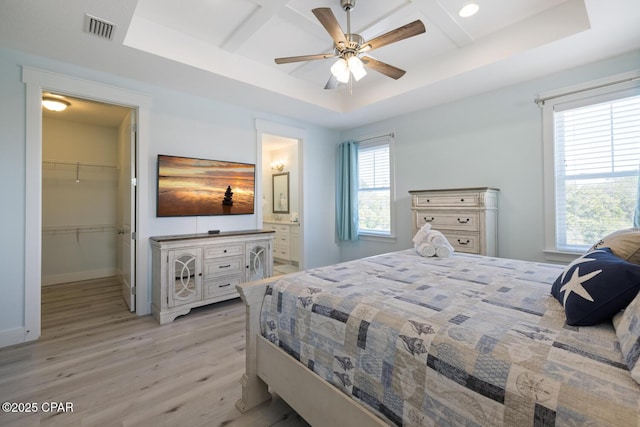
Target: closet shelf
<point>81,164</point>
<point>62,229</point>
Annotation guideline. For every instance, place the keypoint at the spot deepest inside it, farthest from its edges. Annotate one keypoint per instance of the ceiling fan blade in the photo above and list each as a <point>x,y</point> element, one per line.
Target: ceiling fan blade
<point>332,83</point>
<point>289,59</point>
<point>412,29</point>
<point>330,23</point>
<point>384,68</point>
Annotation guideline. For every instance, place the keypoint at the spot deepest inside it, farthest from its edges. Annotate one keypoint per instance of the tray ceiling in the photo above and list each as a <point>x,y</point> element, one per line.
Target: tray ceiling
<point>225,49</point>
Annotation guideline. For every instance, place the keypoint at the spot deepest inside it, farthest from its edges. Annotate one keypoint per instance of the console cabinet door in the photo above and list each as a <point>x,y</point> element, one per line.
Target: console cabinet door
<point>258,258</point>
<point>185,276</point>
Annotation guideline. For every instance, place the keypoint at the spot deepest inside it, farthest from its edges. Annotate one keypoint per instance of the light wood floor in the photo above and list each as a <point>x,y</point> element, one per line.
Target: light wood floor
<point>118,369</point>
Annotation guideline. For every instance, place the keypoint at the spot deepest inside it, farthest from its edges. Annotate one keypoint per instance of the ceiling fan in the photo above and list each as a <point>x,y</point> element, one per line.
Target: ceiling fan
<point>349,48</point>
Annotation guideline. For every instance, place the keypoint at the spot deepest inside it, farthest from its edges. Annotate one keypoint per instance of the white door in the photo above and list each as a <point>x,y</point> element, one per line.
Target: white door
<point>127,210</point>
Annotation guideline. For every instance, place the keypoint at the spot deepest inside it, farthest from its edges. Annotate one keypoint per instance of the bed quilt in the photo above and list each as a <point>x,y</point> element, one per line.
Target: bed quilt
<point>465,340</point>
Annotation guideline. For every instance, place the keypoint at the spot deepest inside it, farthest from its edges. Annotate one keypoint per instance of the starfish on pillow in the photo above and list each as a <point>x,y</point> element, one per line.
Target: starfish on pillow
<point>578,261</point>
<point>575,285</point>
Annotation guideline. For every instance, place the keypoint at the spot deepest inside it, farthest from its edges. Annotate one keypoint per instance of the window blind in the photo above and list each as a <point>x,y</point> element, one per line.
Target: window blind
<point>597,152</point>
<point>374,185</point>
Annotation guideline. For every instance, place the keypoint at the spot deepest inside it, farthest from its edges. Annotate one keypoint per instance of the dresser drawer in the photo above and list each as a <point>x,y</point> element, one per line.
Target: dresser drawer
<point>222,267</point>
<point>221,286</point>
<point>463,221</point>
<point>223,250</point>
<point>468,243</point>
<point>451,199</point>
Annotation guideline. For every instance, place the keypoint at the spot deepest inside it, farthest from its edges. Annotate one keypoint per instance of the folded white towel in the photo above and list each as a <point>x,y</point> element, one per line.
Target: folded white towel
<point>444,251</point>
<point>426,250</point>
<point>436,238</point>
<point>421,235</point>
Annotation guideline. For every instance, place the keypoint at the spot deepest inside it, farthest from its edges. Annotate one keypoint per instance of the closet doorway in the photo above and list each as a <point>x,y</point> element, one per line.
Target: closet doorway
<point>88,194</point>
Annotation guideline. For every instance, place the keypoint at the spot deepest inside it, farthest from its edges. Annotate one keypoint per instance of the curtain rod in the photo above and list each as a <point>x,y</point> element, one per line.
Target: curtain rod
<point>390,134</point>
<point>540,101</point>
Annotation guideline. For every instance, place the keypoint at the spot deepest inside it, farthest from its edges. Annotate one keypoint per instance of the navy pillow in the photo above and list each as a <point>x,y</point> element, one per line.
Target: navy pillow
<point>596,286</point>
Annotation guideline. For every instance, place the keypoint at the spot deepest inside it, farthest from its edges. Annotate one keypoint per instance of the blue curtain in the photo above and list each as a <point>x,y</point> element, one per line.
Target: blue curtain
<point>347,191</point>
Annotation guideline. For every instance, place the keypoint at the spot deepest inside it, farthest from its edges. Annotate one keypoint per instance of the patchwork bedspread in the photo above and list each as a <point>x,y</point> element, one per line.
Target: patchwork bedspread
<point>464,340</point>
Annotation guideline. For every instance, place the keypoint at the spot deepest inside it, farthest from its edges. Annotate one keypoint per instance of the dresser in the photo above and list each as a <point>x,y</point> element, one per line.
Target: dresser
<point>197,269</point>
<point>468,217</point>
<point>286,244</point>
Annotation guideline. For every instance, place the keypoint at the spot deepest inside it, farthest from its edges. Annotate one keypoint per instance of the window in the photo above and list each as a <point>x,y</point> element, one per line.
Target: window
<point>375,189</point>
<point>596,158</point>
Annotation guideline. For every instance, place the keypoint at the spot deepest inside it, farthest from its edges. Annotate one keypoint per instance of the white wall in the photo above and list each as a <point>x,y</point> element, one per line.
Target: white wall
<point>492,140</point>
<point>180,124</point>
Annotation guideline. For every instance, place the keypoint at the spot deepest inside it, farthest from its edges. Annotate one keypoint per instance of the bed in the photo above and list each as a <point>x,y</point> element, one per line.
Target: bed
<point>401,339</point>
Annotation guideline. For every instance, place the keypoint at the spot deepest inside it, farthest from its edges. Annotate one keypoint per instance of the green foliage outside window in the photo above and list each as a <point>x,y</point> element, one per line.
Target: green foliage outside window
<point>373,210</point>
<point>597,209</point>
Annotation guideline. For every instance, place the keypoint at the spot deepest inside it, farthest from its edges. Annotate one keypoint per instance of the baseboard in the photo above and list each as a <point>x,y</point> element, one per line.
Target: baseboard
<point>55,279</point>
<point>11,337</point>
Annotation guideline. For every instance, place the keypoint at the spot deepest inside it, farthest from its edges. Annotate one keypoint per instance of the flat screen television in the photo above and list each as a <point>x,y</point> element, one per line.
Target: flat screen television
<point>201,187</point>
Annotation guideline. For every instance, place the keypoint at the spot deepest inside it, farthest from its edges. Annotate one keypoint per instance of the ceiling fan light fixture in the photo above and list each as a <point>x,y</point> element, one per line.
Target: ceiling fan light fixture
<point>358,73</point>
<point>54,104</point>
<point>341,70</point>
<point>468,10</point>
<point>357,67</point>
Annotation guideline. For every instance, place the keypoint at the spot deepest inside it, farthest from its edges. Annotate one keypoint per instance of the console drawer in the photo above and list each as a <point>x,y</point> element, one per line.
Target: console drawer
<point>221,286</point>
<point>223,250</point>
<point>222,267</point>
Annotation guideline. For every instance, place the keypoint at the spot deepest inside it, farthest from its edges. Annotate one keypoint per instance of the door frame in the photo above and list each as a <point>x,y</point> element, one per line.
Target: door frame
<point>37,81</point>
<point>271,128</point>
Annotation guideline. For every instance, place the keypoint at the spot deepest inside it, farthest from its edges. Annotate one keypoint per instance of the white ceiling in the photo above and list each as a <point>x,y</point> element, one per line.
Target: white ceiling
<point>225,49</point>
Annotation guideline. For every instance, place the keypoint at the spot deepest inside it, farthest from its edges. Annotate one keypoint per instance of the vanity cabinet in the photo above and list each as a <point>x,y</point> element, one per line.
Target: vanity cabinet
<point>468,217</point>
<point>198,269</point>
<point>286,246</point>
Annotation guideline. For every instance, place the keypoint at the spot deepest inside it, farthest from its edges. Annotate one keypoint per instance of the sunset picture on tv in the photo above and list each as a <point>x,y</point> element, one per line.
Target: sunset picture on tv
<point>200,187</point>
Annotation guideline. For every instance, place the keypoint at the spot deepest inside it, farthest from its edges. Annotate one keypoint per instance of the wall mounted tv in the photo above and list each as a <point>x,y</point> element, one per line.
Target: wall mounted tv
<point>200,187</point>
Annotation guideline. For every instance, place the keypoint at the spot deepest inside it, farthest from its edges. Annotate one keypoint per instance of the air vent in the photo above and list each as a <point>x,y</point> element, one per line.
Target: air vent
<point>98,27</point>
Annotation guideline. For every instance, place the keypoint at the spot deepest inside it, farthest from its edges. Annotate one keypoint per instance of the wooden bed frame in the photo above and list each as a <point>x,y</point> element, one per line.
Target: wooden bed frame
<point>270,368</point>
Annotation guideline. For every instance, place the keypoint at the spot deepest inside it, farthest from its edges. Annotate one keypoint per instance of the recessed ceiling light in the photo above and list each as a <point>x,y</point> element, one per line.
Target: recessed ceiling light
<point>468,10</point>
<point>54,104</point>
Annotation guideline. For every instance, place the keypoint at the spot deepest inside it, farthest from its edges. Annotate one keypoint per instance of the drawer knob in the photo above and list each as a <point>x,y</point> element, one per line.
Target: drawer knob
<point>225,251</point>
<point>428,200</point>
<point>428,220</point>
<point>460,242</point>
<point>463,221</point>
<point>462,200</point>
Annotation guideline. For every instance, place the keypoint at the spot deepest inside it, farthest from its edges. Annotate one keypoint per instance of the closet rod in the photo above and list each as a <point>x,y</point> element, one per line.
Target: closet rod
<point>96,165</point>
<point>78,228</point>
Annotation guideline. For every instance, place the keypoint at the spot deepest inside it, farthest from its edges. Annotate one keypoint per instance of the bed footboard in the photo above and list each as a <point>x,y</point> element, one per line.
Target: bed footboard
<point>254,390</point>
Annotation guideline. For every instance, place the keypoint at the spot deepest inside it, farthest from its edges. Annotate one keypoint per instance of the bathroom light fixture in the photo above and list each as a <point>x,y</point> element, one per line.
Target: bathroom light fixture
<point>468,10</point>
<point>54,104</point>
<point>278,165</point>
